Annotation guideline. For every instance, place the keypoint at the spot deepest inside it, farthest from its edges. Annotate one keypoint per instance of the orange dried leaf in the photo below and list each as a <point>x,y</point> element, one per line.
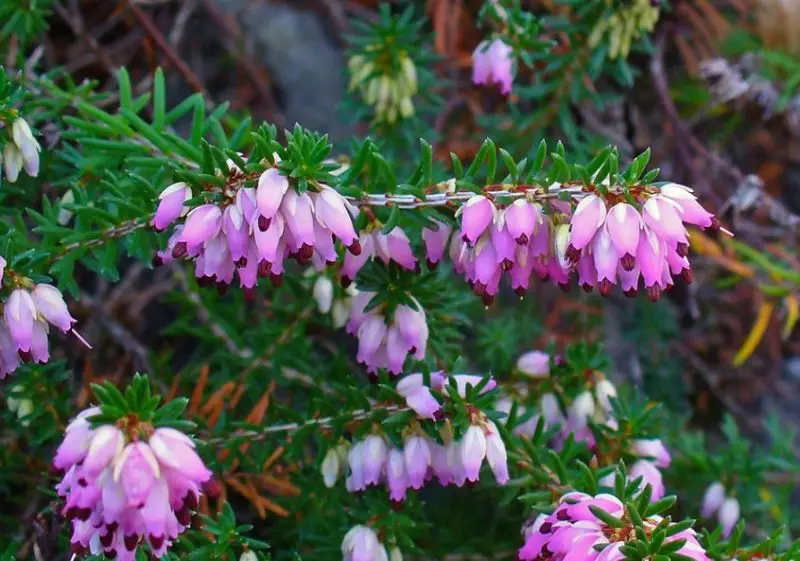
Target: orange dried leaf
<point>199,388</point>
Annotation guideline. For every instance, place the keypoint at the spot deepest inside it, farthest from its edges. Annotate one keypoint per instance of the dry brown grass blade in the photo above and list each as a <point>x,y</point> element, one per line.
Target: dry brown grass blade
<point>199,388</point>
<point>173,389</point>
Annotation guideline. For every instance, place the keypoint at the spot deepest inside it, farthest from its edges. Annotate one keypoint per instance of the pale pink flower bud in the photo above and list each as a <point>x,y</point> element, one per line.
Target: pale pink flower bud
<point>650,476</point>
<point>713,498</point>
<point>77,439</point>
<point>624,223</point>
<point>272,187</point>
<point>12,161</point>
<point>522,219</point>
<point>396,475</point>
<point>361,544</point>
<point>589,216</point>
<point>465,380</point>
<point>435,242</point>
<point>374,458</point>
<point>171,205</point>
<point>137,471</point>
<point>472,451</point>
<point>551,410</point>
<point>2,269</point>
<point>246,203</point>
<point>323,293</point>
<point>535,364</point>
<point>20,313</point>
<point>476,215</point>
<point>417,455</point>
<point>176,450</point>
<point>28,146</point>
<point>604,390</point>
<point>728,515</point>
<point>107,441</point>
<point>661,215</point>
<point>330,468</point>
<point>493,63</point>
<point>202,224</point>
<point>689,209</point>
<point>652,448</point>
<point>496,455</point>
<point>39,349</point>
<point>581,411</point>
<point>237,234</point>
<point>49,303</point>
<point>332,213</point>
<point>371,334</point>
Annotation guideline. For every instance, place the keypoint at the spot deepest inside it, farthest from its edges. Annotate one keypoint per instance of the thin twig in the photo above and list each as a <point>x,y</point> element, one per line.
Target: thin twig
<point>162,43</point>
<point>255,435</point>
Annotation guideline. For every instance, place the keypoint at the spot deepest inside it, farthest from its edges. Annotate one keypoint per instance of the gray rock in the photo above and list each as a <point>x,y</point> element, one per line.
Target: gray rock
<point>303,62</point>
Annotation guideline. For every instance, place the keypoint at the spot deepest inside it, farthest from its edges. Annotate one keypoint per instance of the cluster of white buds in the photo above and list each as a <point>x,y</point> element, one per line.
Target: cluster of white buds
<point>391,94</point>
<point>21,151</point>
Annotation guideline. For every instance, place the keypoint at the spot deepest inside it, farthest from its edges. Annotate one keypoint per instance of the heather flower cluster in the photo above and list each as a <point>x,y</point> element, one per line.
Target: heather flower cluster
<point>21,151</point>
<point>493,63</point>
<point>127,485</point>
<point>254,230</point>
<point>573,531</point>
<point>612,241</point>
<point>28,313</point>
<point>726,509</point>
<point>375,461</point>
<point>606,241</point>
<point>520,239</point>
<point>386,344</point>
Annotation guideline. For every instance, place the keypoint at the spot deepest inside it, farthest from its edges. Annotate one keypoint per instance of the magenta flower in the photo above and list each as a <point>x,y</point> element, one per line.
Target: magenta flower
<point>574,532</point>
<point>253,231</point>
<point>493,63</point>
<point>476,216</point>
<point>589,216</point>
<point>435,242</point>
<point>628,244</point>
<point>171,205</point>
<point>119,493</point>
<point>522,219</point>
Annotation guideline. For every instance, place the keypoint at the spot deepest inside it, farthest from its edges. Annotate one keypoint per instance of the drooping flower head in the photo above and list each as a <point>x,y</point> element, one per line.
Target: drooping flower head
<point>130,482</point>
<point>383,342</point>
<point>256,222</point>
<point>639,236</point>
<point>493,63</point>
<point>27,314</point>
<point>596,528</point>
